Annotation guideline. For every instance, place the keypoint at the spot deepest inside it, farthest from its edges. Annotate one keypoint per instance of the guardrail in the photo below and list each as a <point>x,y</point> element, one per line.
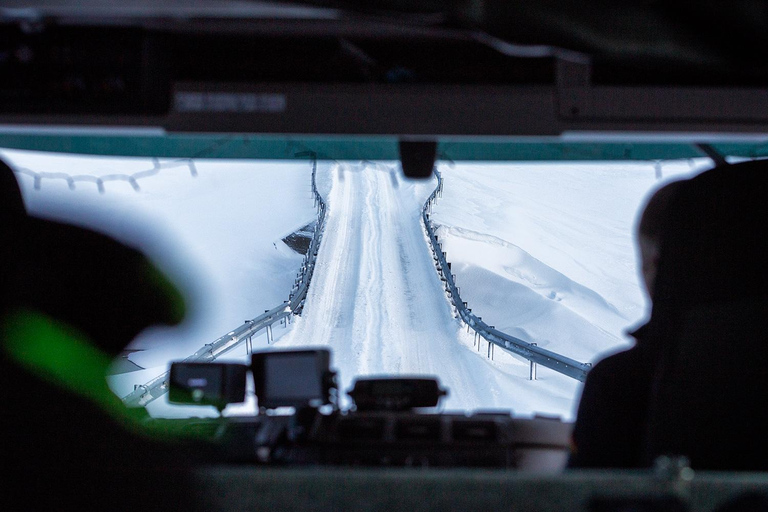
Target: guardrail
<point>299,290</point>
<point>143,394</point>
<point>529,351</point>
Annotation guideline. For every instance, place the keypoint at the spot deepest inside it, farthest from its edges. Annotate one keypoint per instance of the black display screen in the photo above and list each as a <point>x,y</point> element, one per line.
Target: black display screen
<point>291,378</point>
<point>216,384</point>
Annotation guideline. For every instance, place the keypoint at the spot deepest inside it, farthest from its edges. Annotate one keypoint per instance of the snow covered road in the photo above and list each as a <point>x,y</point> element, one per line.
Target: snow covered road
<point>377,302</point>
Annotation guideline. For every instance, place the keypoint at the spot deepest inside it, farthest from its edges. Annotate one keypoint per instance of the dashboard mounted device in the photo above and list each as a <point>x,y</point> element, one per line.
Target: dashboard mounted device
<point>217,384</point>
<point>396,394</point>
<point>293,378</point>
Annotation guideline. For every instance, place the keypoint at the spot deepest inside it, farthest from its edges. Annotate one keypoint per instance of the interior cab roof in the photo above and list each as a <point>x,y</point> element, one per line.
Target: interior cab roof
<point>468,72</point>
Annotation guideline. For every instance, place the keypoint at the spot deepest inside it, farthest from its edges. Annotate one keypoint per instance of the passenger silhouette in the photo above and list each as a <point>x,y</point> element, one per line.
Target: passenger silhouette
<point>610,422</point>
<point>710,307</point>
<point>71,299</point>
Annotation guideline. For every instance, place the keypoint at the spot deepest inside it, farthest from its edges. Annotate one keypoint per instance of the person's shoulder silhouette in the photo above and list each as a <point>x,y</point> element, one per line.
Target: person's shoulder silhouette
<point>708,322</point>
<point>71,301</point>
<point>610,423</point>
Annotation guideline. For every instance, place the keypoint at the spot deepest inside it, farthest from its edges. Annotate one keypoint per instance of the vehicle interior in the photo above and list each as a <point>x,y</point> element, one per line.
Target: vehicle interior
<point>425,144</point>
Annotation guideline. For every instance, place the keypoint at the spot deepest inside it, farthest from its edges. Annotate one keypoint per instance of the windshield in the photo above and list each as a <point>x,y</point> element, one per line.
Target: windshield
<point>543,253</point>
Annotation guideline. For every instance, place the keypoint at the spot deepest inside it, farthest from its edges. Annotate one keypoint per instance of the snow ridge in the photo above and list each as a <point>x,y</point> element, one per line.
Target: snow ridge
<point>529,351</point>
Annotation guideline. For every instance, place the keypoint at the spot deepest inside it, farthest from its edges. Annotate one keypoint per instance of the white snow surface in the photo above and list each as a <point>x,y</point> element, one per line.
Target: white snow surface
<point>213,233</point>
<point>544,252</point>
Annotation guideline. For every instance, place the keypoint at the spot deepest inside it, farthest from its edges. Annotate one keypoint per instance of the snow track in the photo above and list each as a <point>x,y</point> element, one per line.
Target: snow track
<point>378,303</point>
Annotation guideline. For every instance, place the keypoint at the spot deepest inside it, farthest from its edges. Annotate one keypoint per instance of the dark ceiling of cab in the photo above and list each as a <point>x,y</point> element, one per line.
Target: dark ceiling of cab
<point>631,42</point>
<point>709,39</point>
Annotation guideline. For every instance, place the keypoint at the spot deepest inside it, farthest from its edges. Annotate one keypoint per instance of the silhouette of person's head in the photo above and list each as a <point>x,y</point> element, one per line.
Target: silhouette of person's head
<point>649,231</point>
<point>714,242</point>
<point>707,323</point>
<point>105,289</point>
<point>71,299</point>
<point>11,203</point>
<point>12,217</point>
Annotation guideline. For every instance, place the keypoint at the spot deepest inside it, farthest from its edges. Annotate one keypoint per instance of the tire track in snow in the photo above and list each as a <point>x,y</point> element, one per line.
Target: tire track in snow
<point>370,293</point>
